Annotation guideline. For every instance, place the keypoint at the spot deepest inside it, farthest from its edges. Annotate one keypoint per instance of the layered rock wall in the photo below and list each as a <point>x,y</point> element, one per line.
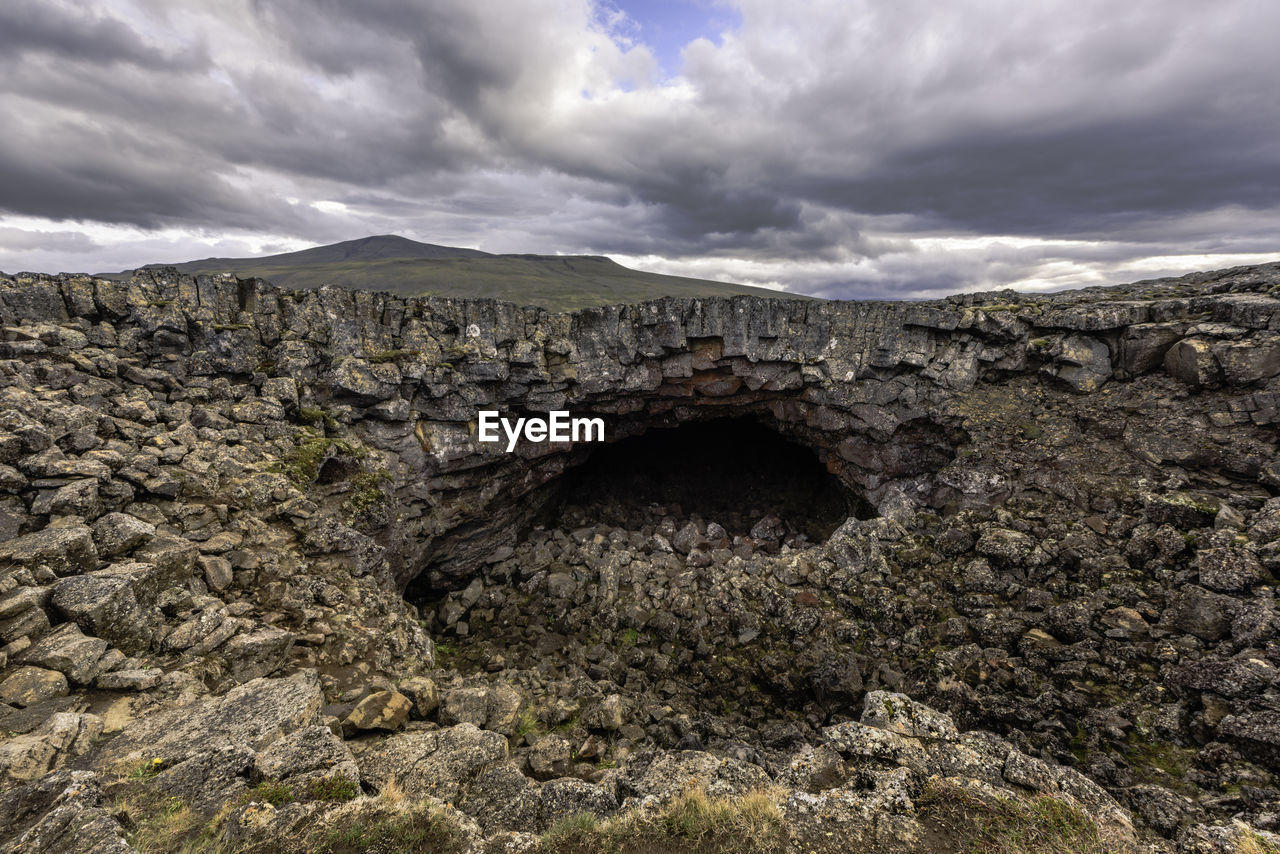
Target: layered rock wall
<point>408,376</point>
<point>204,482</point>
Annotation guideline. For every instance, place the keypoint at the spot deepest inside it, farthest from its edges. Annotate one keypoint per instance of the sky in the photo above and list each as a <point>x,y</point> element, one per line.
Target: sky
<point>841,148</point>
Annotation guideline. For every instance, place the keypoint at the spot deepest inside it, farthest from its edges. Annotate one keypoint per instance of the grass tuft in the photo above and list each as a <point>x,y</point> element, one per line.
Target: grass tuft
<point>270,792</point>
<point>692,822</point>
<point>421,830</point>
<point>1010,826</point>
<point>338,787</point>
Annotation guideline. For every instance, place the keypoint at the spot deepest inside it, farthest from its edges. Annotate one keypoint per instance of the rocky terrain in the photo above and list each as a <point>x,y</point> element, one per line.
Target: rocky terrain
<point>996,571</point>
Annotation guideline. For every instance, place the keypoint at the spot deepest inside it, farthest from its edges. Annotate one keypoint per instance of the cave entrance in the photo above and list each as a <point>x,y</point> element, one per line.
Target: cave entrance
<point>733,472</point>
<point>678,568</point>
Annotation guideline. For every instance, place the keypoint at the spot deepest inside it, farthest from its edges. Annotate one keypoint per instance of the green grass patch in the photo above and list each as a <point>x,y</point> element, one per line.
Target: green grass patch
<point>270,792</point>
<point>337,787</point>
<point>1039,825</point>
<point>530,723</point>
<point>559,283</point>
<point>302,463</point>
<point>424,829</point>
<point>691,823</point>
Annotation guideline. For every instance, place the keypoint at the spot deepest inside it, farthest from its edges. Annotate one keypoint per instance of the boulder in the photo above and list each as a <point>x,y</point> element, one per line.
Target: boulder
<point>1247,362</point>
<point>251,715</point>
<point>666,775</point>
<point>1010,547</point>
<point>1258,732</point>
<point>119,533</point>
<point>61,813</point>
<point>1191,360</point>
<point>216,571</point>
<point>1084,363</point>
<point>103,604</point>
<point>61,736</point>
<point>1198,612</point>
<point>29,685</point>
<point>384,710</point>
<point>903,715</point>
<point>67,650</point>
<point>76,499</point>
<point>66,549</point>
<point>306,754</point>
<point>465,706</point>
<point>551,756</point>
<point>423,693</point>
<point>257,653</point>
<point>429,764</point>
<point>1229,569</point>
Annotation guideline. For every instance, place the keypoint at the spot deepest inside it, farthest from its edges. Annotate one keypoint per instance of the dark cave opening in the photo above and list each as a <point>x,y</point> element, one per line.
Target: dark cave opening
<point>731,471</point>
<point>617,575</point>
<point>734,471</point>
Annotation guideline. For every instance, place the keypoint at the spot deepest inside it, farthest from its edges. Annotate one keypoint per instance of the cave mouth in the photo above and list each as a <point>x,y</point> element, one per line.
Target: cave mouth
<point>734,472</point>
<point>619,578</point>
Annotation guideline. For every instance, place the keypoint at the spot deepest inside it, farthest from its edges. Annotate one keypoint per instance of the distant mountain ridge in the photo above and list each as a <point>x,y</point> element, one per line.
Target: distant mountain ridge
<point>388,262</point>
<point>379,247</point>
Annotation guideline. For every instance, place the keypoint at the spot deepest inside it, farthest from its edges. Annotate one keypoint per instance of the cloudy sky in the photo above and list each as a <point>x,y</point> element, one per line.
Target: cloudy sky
<point>847,148</point>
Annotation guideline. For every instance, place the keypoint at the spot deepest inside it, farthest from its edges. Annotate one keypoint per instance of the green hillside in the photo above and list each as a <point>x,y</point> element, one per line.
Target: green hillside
<point>390,263</point>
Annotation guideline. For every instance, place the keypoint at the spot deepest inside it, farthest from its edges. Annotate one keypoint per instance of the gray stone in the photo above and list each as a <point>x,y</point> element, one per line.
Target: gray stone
<point>63,735</point>
<point>217,572</point>
<point>250,716</point>
<point>550,756</point>
<point>29,685</point>
<point>67,650</point>
<point>464,706</point>
<point>66,550</point>
<point>1229,570</point>
<point>310,753</point>
<point>78,498</point>
<point>430,764</point>
<point>899,713</point>
<point>103,604</point>
<point>1200,613</point>
<point>129,680</point>
<point>423,693</point>
<point>1247,362</point>
<point>257,653</point>
<point>1192,361</point>
<point>62,813</point>
<point>119,533</point>
<point>384,710</point>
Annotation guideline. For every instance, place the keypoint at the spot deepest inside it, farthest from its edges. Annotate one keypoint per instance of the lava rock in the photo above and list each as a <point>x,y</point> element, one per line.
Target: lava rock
<point>384,710</point>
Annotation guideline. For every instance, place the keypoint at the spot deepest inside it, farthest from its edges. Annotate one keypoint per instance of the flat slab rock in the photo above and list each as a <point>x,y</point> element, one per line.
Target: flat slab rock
<point>251,715</point>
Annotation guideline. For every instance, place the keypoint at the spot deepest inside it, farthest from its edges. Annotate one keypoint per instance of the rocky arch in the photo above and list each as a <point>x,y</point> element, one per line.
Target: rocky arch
<point>476,505</point>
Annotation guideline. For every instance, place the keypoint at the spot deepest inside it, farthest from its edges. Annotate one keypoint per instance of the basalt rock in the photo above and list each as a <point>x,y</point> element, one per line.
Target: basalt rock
<point>878,559</point>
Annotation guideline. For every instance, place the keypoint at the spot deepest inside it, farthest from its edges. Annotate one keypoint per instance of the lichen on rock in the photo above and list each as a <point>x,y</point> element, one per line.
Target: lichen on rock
<point>1010,574</point>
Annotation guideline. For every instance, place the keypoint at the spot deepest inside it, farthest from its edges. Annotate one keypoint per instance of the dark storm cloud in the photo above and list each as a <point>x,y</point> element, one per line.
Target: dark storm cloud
<point>79,34</point>
<point>837,136</point>
<point>1082,183</point>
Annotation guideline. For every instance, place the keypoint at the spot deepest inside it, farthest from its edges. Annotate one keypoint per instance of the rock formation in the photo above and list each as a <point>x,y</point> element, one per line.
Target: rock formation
<point>882,576</point>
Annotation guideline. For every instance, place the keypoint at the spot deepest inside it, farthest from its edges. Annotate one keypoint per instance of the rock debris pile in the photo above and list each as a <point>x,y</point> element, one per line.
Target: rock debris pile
<point>882,576</point>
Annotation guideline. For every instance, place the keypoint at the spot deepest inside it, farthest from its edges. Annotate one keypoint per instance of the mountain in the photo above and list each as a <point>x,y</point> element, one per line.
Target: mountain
<point>377,248</point>
<point>390,263</point>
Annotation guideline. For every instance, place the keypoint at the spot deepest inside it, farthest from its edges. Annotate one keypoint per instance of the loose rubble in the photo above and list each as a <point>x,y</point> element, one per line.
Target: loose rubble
<point>260,584</point>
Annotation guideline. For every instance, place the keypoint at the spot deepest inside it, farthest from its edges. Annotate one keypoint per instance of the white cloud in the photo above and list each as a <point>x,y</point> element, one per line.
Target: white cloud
<point>855,147</point>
